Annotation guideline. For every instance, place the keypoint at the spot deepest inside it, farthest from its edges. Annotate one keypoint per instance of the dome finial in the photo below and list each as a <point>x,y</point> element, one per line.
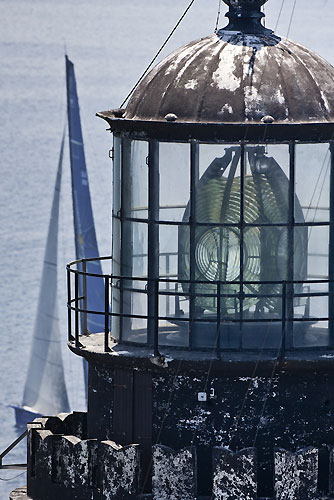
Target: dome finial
<point>245,16</point>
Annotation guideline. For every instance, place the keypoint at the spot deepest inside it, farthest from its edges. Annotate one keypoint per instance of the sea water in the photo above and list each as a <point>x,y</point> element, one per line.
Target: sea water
<point>110,42</point>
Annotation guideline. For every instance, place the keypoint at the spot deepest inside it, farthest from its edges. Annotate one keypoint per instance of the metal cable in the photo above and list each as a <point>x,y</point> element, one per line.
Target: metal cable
<point>218,15</point>
<point>12,478</point>
<point>158,53</point>
<point>162,423</point>
<point>291,17</point>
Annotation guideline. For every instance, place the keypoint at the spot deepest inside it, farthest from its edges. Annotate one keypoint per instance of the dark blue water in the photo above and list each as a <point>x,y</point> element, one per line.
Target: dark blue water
<point>110,42</point>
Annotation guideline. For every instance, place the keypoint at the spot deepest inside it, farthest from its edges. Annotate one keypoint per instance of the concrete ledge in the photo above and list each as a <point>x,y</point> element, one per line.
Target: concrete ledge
<point>19,494</point>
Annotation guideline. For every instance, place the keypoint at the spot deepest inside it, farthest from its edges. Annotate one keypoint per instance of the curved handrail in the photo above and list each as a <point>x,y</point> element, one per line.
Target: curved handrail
<point>185,282</point>
<point>123,282</point>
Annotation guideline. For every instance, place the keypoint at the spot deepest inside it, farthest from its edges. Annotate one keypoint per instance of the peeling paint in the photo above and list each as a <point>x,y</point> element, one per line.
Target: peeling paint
<point>191,84</point>
<point>224,77</point>
<point>253,75</point>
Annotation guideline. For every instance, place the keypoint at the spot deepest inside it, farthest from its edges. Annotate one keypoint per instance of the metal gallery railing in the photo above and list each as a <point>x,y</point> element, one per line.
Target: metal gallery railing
<point>172,288</point>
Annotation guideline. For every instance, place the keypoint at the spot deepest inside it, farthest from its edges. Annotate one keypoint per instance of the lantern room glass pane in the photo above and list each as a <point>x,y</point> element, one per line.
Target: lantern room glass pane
<point>139,179</point>
<point>174,172</point>
<point>130,239</point>
<point>310,316</point>
<point>317,257</point>
<point>312,175</point>
<point>221,229</point>
<point>173,305</point>
<point>310,309</point>
<point>312,181</point>
<point>218,189</point>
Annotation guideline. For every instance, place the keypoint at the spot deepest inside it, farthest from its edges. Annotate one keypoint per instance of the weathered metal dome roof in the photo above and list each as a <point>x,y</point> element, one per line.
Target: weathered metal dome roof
<point>243,73</point>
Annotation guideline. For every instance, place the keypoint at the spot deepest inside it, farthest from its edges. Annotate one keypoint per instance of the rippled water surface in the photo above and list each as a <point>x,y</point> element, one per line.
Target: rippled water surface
<point>110,42</point>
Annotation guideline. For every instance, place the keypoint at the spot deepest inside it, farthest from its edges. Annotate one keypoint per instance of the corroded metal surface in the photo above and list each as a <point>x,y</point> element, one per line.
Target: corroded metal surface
<point>235,78</point>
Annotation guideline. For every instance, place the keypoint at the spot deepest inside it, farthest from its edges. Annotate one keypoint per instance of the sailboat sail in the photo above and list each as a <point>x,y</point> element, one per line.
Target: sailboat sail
<point>45,390</point>
<point>85,236</point>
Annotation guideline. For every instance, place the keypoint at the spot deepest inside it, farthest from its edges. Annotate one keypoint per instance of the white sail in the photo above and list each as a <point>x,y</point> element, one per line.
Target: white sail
<point>45,389</point>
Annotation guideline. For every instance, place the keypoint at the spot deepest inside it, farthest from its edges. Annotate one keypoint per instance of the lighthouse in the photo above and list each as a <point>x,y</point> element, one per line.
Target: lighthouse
<point>213,377</point>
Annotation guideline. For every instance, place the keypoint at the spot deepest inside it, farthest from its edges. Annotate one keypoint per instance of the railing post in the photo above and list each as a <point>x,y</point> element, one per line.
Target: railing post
<point>76,314</point>
<point>167,285</point>
<point>156,318</point>
<point>177,301</point>
<point>69,305</point>
<point>218,319</point>
<point>283,339</point>
<point>84,289</point>
<point>153,238</point>
<point>106,314</point>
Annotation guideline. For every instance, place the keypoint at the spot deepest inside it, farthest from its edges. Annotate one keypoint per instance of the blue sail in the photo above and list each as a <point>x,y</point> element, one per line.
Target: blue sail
<point>85,236</point>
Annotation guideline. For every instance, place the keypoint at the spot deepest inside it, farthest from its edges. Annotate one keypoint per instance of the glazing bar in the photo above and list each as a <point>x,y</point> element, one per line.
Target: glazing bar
<point>242,228</point>
<point>153,244</point>
<point>194,175</point>
<point>291,244</point>
<point>218,337</point>
<point>126,237</point>
<point>331,251</point>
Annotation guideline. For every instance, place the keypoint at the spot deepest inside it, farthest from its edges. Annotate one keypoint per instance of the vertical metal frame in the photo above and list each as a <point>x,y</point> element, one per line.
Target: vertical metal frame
<point>126,236</point>
<point>153,246</point>
<point>77,306</point>
<point>84,289</point>
<point>291,243</point>
<point>331,250</point>
<point>69,304</point>
<point>242,230</point>
<point>116,233</point>
<point>106,313</point>
<point>194,177</point>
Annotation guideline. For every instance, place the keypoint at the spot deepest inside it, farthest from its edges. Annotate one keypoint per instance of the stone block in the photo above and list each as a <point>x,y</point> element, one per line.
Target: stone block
<point>40,443</point>
<point>68,424</point>
<point>174,473</point>
<point>77,464</point>
<point>331,472</point>
<point>296,474</point>
<point>118,470</point>
<point>234,474</point>
<point>31,438</point>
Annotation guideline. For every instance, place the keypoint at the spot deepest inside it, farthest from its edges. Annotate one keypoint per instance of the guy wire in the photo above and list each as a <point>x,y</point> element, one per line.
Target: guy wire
<point>158,53</point>
<point>218,15</point>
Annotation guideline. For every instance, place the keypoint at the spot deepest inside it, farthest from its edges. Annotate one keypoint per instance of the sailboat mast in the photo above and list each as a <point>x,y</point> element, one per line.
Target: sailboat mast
<point>84,228</point>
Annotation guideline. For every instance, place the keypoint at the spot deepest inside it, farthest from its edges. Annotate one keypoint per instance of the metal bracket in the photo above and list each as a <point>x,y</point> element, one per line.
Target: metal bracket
<point>7,450</point>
